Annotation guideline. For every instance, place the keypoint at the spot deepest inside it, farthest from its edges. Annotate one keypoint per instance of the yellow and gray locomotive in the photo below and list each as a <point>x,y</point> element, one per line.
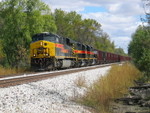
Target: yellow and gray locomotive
<point>49,51</point>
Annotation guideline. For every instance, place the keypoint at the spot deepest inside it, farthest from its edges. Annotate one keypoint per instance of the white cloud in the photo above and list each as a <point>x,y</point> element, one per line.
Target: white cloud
<point>122,42</point>
<point>118,27</point>
<point>114,24</point>
<point>120,20</point>
<point>68,5</point>
<point>125,9</point>
<point>113,6</point>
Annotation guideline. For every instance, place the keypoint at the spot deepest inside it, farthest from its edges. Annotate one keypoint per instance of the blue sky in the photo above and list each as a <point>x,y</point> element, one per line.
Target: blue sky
<point>119,18</point>
<point>93,9</point>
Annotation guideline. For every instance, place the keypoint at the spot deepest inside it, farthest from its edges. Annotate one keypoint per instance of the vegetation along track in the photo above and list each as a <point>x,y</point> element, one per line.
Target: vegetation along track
<point>17,80</point>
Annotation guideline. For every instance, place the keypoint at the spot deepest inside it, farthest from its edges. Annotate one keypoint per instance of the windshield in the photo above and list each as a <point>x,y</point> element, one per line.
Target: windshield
<point>47,37</point>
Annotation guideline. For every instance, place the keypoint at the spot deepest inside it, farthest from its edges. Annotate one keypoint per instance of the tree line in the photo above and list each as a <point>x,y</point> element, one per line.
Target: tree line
<point>20,19</point>
<point>139,49</point>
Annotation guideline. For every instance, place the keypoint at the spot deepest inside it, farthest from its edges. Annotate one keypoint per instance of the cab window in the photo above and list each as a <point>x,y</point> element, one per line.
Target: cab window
<point>47,37</point>
<point>50,38</point>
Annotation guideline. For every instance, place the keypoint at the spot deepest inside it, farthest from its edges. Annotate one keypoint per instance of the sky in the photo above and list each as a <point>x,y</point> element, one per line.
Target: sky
<point>119,18</point>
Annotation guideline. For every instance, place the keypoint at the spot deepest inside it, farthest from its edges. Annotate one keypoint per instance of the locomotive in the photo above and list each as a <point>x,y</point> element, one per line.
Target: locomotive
<point>49,51</point>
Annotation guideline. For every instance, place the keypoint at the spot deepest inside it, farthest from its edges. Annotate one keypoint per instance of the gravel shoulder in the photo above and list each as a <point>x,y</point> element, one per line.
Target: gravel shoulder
<point>53,95</point>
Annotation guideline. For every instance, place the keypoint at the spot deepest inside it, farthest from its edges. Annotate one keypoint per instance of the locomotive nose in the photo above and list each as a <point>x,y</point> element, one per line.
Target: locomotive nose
<point>41,50</point>
<point>43,44</point>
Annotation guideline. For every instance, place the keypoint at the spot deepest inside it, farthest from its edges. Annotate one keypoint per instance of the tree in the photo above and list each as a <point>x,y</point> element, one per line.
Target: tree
<point>119,51</point>
<point>1,51</point>
<point>39,17</point>
<point>14,33</point>
<point>20,20</point>
<point>68,24</point>
<point>87,31</point>
<point>104,43</point>
<point>139,49</point>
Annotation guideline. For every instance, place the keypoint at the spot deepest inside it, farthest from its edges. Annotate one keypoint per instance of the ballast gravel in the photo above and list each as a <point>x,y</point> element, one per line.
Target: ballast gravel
<point>54,95</point>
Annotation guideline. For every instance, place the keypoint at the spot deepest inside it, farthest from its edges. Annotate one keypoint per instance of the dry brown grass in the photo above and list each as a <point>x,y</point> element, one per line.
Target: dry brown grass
<point>9,71</point>
<point>80,81</point>
<point>114,85</point>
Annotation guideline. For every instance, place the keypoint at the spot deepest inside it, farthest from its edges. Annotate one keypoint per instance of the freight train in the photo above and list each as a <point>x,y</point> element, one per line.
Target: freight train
<point>49,51</point>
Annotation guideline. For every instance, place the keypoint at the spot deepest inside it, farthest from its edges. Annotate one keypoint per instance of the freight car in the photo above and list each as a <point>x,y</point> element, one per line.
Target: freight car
<point>49,51</point>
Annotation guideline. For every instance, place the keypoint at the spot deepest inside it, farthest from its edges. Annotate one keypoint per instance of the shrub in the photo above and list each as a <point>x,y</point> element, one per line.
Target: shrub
<point>80,81</point>
<point>139,49</point>
<point>114,85</point>
<point>9,71</point>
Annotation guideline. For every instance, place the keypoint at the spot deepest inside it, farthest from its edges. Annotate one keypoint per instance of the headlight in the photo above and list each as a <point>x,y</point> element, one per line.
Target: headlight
<point>47,54</point>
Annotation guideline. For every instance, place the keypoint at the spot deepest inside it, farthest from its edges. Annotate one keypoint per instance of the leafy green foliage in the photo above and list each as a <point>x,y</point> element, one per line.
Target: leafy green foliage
<point>20,19</point>
<point>139,49</point>
<point>119,51</point>
<point>87,31</point>
<point>68,24</point>
<point>1,51</point>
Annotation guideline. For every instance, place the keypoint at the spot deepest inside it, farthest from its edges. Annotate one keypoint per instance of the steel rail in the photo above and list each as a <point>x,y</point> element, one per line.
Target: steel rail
<point>18,80</point>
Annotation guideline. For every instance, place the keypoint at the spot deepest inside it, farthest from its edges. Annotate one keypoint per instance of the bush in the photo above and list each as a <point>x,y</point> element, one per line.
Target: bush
<point>80,81</point>
<point>114,85</point>
<point>139,49</point>
<point>10,71</point>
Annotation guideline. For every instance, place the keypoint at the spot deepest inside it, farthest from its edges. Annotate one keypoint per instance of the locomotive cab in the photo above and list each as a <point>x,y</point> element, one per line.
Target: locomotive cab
<point>43,45</point>
<point>45,36</point>
<point>42,49</point>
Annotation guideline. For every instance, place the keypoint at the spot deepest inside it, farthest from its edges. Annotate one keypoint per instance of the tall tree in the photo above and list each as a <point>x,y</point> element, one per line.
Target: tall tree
<point>87,31</point>
<point>14,31</point>
<point>139,49</point>
<point>67,23</point>
<point>119,51</point>
<point>20,20</point>
<point>39,17</point>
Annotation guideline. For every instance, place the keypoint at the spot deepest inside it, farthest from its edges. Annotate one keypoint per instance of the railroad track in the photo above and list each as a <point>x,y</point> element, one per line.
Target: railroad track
<point>17,80</point>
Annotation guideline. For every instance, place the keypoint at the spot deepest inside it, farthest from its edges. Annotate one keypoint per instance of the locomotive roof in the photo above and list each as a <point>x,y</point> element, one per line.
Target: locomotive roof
<point>45,33</point>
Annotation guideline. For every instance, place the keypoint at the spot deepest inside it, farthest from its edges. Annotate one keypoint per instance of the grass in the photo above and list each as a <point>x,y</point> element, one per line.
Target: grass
<point>80,81</point>
<point>114,85</point>
<point>9,71</point>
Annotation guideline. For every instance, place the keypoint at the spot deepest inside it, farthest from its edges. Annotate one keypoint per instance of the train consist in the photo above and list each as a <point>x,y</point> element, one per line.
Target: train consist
<point>49,51</point>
